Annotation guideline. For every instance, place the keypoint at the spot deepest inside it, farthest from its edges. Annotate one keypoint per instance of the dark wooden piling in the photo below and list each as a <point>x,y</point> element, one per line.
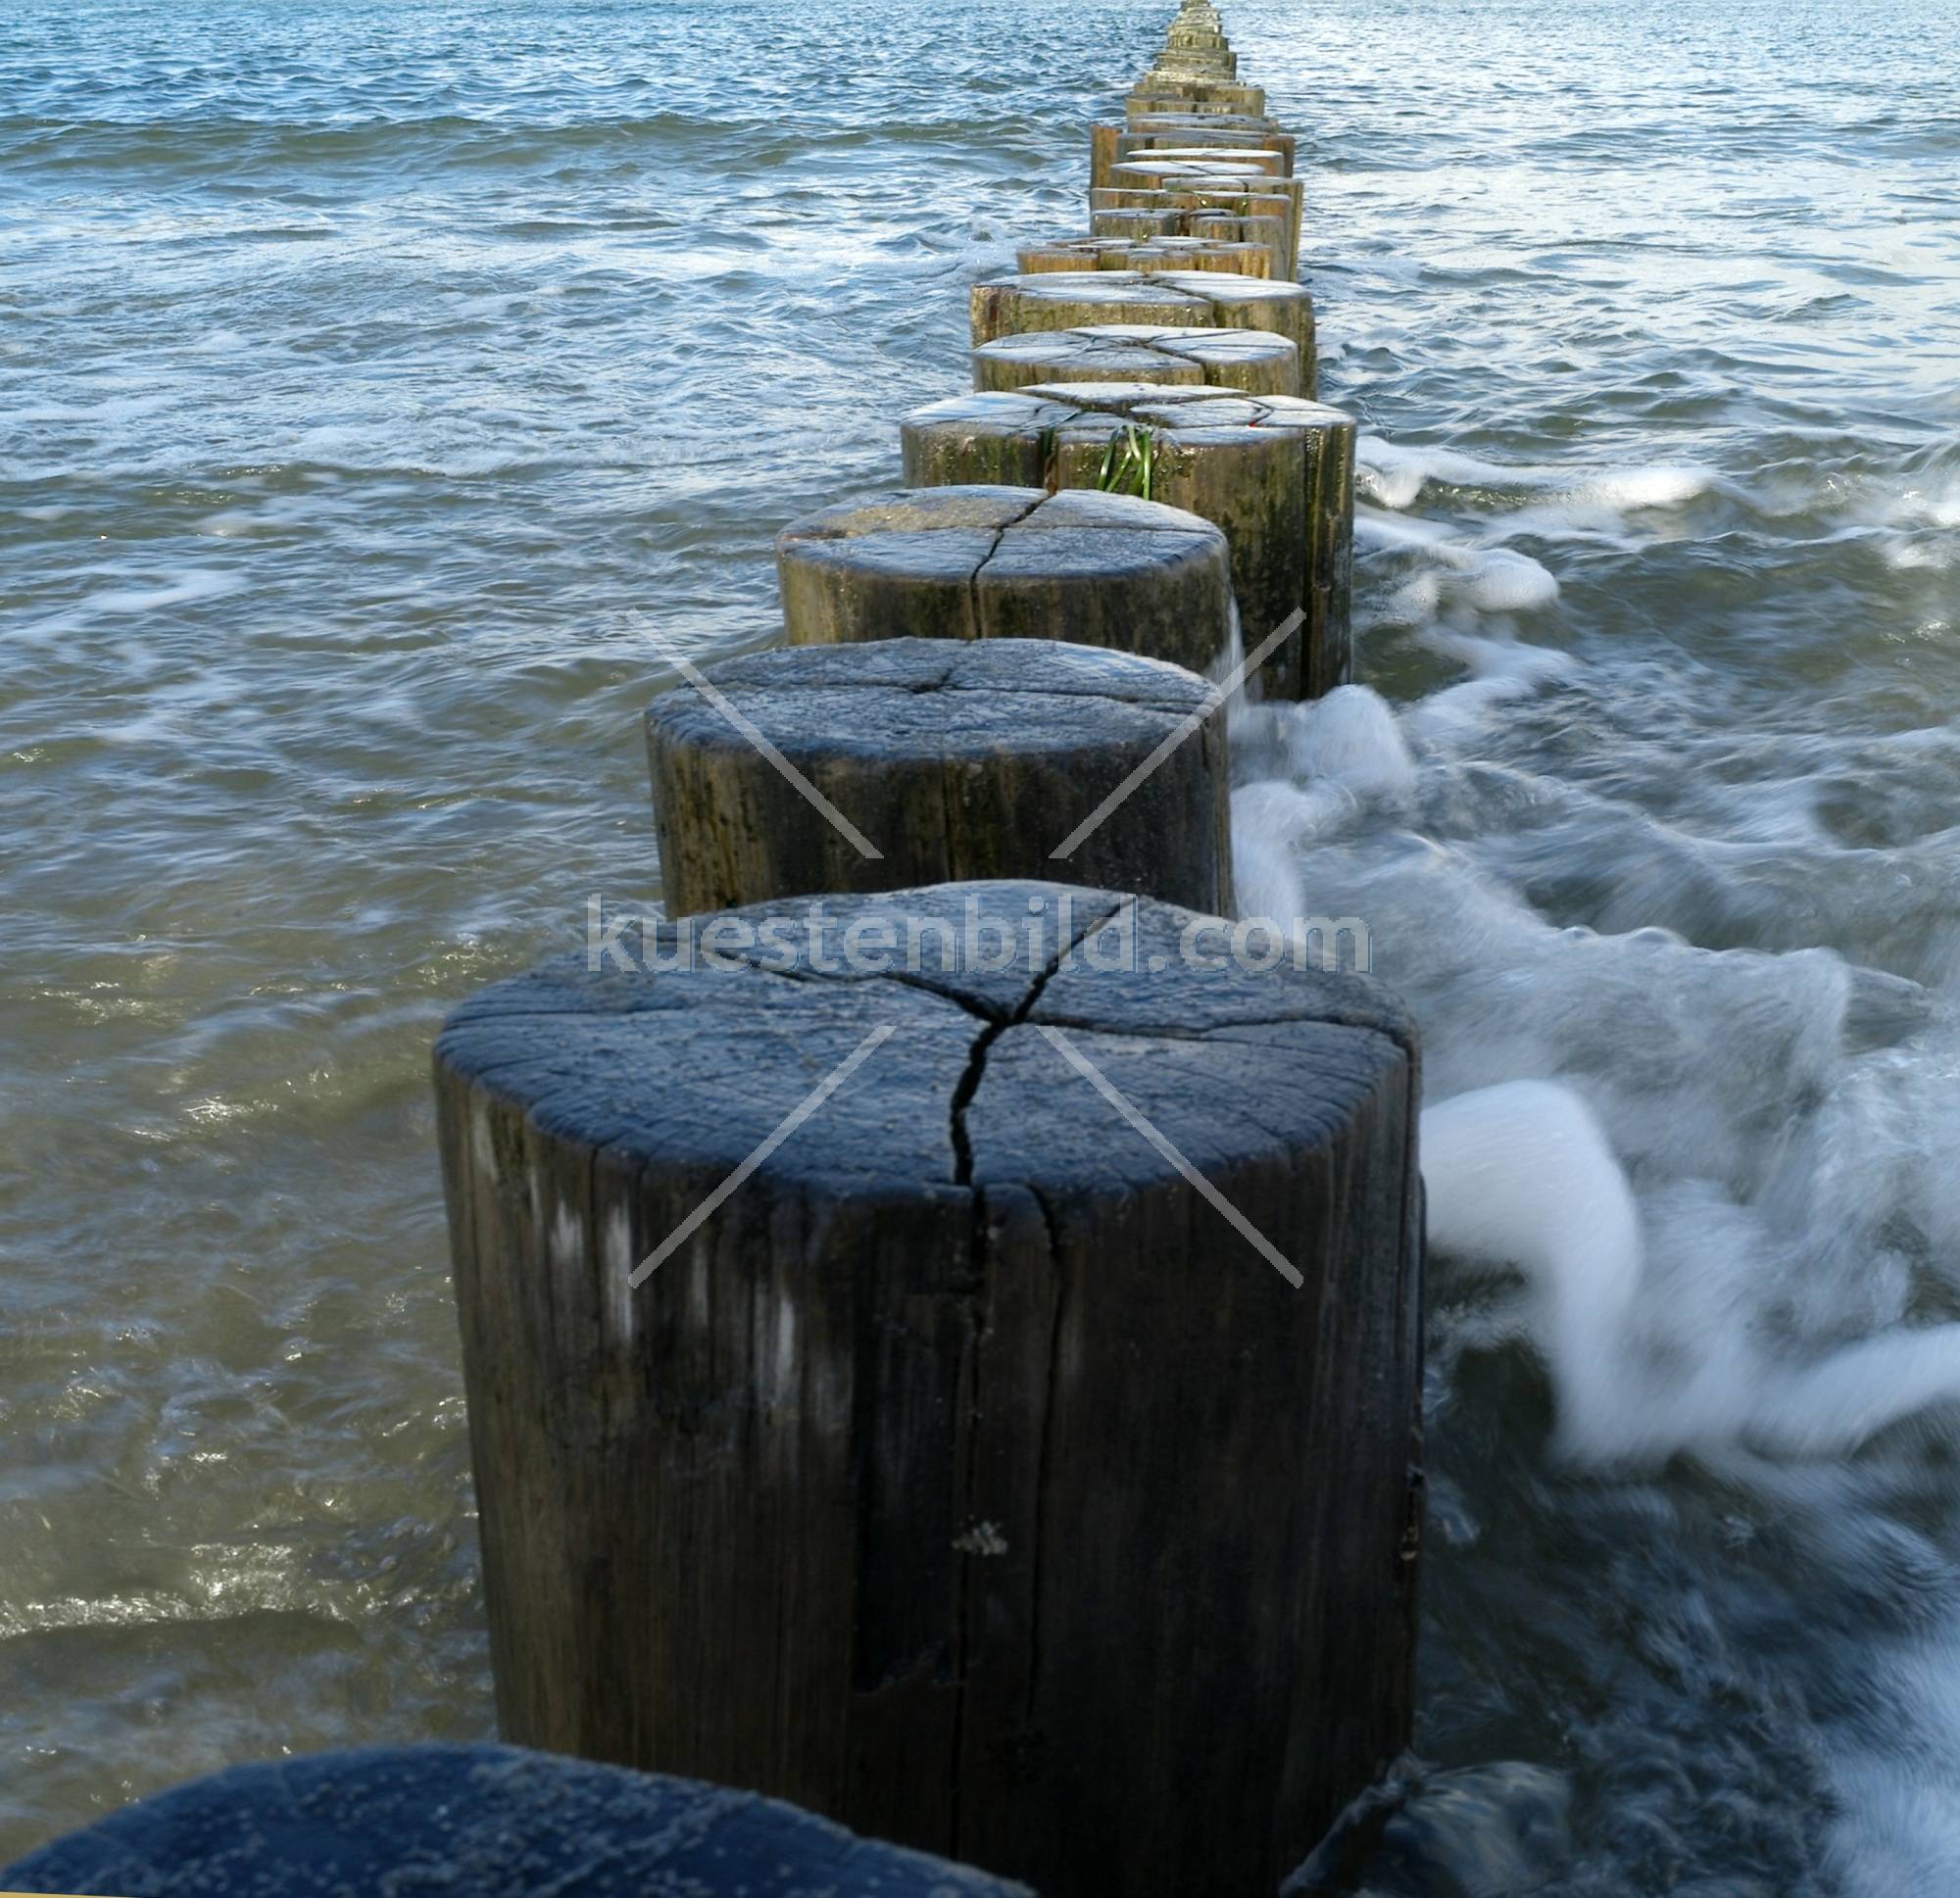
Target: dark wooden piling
<point>1276,475</point>
<point>1174,131</point>
<point>1143,131</point>
<point>967,1474</point>
<point>1155,93</point>
<point>997,563</point>
<point>951,761</point>
<point>1138,185</point>
<point>951,1355</point>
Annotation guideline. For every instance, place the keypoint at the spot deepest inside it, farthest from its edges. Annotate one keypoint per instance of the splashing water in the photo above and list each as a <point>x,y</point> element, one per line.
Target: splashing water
<point>368,370</point>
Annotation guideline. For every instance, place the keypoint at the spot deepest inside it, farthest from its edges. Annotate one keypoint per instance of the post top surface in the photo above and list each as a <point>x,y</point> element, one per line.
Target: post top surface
<point>927,702</point>
<point>725,1024</point>
<point>991,518</point>
<point>1217,287</point>
<point>1046,405</point>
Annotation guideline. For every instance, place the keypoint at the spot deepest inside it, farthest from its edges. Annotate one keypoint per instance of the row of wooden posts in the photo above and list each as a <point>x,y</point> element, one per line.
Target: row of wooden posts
<point>941,1309</point>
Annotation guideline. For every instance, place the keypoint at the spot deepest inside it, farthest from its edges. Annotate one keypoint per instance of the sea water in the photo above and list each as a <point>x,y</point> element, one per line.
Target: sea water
<point>379,382</point>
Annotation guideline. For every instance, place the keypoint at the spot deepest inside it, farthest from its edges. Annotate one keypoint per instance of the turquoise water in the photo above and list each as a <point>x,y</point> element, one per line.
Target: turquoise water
<point>365,371</point>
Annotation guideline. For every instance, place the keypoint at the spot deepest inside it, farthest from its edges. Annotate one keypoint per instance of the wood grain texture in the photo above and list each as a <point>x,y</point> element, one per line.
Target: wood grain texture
<point>1190,300</point>
<point>478,1822</point>
<point>1137,184</point>
<point>956,761</point>
<point>1148,132</point>
<point>966,1478</point>
<point>1236,259</point>
<point>1181,215</point>
<point>1006,562</point>
<point>1251,361</point>
<point>1275,476</point>
<point>1156,92</point>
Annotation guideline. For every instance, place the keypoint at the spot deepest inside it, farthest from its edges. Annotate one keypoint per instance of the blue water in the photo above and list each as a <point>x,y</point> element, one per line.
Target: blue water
<point>365,371</point>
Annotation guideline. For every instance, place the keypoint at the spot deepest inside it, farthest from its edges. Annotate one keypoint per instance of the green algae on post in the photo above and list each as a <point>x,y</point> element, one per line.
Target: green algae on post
<point>1275,474</point>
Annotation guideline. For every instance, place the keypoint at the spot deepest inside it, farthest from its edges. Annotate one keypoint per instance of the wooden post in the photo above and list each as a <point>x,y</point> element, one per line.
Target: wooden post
<point>1246,359</point>
<point>1156,93</point>
<point>1104,149</point>
<point>1272,211</point>
<point>1107,144</point>
<point>1181,219</point>
<point>1162,171</point>
<point>1179,64</point>
<point>1173,298</point>
<point>953,760</point>
<point>1266,159</point>
<point>963,1475</point>
<point>1277,476</point>
<point>1149,257</point>
<point>984,562</point>
<point>1178,131</point>
<point>1136,180</point>
<point>476,1822</point>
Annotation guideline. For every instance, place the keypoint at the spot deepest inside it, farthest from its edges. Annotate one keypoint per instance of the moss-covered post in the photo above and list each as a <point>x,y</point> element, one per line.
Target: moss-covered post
<point>1277,476</point>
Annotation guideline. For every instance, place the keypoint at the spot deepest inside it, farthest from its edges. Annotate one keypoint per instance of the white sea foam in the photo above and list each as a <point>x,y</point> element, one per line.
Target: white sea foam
<point>1351,736</point>
<point>1264,876</point>
<point>1650,1356</point>
<point>1396,476</point>
<point>1522,1174</point>
<point>1444,568</point>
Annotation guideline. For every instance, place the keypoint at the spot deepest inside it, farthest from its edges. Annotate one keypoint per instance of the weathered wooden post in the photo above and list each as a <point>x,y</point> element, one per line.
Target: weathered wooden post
<point>1246,359</point>
<point>1272,210</point>
<point>476,1822</point>
<point>863,1410</point>
<point>1276,475</point>
<point>1164,166</point>
<point>1184,133</point>
<point>951,759</point>
<point>1196,62</point>
<point>1150,180</point>
<point>1184,214</point>
<point>950,1355</point>
<point>1148,257</point>
<point>986,563</point>
<point>1262,158</point>
<point>1156,92</point>
<point>1148,131</point>
<point>1175,299</point>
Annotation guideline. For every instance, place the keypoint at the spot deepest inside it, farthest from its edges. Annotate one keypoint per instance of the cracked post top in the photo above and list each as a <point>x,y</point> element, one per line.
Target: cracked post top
<point>693,1064</point>
<point>933,761</point>
<point>1003,563</point>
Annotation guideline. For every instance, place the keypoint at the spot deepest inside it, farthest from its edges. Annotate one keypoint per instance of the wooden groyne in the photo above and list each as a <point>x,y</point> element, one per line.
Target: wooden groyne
<point>940,1307</point>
